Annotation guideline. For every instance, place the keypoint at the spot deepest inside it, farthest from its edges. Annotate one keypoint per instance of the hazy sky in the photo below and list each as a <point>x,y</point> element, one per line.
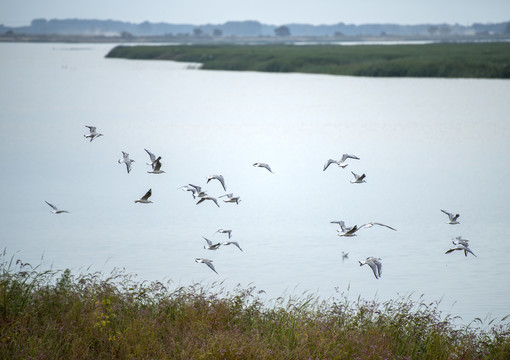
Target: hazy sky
<point>275,12</point>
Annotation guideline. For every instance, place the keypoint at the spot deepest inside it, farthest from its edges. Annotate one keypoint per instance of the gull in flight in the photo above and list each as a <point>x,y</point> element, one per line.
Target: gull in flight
<point>210,245</point>
<point>461,244</point>
<point>188,188</point>
<point>232,243</point>
<point>207,262</point>
<point>348,231</point>
<point>370,224</point>
<point>198,191</point>
<point>375,264</point>
<point>203,198</point>
<point>145,199</point>
<point>223,231</point>
<point>453,218</point>
<point>93,133</point>
<point>264,165</point>
<point>155,163</point>
<point>358,179</point>
<point>340,162</point>
<point>126,160</point>
<point>231,198</point>
<point>220,178</point>
<point>345,255</point>
<point>55,209</point>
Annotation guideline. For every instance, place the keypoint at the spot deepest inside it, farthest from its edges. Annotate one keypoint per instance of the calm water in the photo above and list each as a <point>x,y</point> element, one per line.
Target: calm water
<point>424,144</point>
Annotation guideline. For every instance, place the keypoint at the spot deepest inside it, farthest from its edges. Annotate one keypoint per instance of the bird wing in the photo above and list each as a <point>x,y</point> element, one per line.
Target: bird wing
<point>348,156</point>
<point>233,243</point>
<point>201,200</point>
<point>125,155</point>
<point>209,263</point>
<point>92,129</point>
<point>151,155</point>
<point>450,215</point>
<point>52,206</point>
<point>389,227</point>
<point>147,195</point>
<point>379,267</point>
<point>372,264</point>
<point>329,162</point>
<point>215,201</point>
<point>156,165</point>
<point>209,242</point>
<point>222,181</point>
<point>197,188</point>
<point>362,177</point>
<point>356,176</point>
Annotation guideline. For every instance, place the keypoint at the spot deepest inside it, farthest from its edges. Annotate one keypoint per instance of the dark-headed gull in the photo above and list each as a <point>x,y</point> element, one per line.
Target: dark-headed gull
<point>452,218</point>
<point>55,209</point>
<point>263,165</point>
<point>358,179</point>
<point>126,160</point>
<point>341,163</point>
<point>93,133</point>
<point>375,264</point>
<point>145,199</point>
<point>220,178</point>
<point>207,262</point>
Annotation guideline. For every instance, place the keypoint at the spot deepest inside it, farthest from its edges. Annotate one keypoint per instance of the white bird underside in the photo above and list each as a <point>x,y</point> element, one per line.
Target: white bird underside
<point>263,165</point>
<point>202,199</point>
<point>452,218</point>
<point>92,133</point>
<point>341,163</point>
<point>126,160</point>
<point>232,243</point>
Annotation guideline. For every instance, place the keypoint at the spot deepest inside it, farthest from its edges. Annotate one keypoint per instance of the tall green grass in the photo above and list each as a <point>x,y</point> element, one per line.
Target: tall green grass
<point>50,315</point>
<point>459,60</point>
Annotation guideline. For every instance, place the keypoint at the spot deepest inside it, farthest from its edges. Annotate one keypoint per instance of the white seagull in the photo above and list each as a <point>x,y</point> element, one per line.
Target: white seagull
<point>55,209</point>
<point>358,179</point>
<point>207,262</point>
<point>145,199</point>
<point>198,191</point>
<point>370,224</point>
<point>348,231</point>
<point>453,218</point>
<point>93,133</point>
<point>232,243</point>
<point>126,160</point>
<point>375,264</point>
<point>220,178</point>
<point>461,244</point>
<point>341,163</point>
<point>231,198</point>
<point>203,198</point>
<point>223,231</point>
<point>210,245</point>
<point>264,165</point>
<point>156,167</point>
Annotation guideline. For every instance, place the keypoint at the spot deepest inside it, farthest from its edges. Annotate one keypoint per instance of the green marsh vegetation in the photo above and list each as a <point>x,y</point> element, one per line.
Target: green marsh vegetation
<point>454,60</point>
<point>58,315</point>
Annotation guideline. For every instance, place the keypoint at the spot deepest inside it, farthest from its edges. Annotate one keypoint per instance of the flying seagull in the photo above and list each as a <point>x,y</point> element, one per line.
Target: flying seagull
<point>203,198</point>
<point>453,218</point>
<point>93,133</point>
<point>348,231</point>
<point>370,224</point>
<point>345,255</point>
<point>461,244</point>
<point>232,243</point>
<point>231,198</point>
<point>207,262</point>
<point>126,160</point>
<point>375,264</point>
<point>223,231</point>
<point>198,191</point>
<point>341,163</point>
<point>210,245</point>
<point>220,178</point>
<point>156,167</point>
<point>55,209</point>
<point>145,199</point>
<point>264,165</point>
<point>358,179</point>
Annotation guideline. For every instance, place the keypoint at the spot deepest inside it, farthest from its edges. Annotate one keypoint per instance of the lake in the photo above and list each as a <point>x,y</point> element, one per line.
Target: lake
<point>424,145</point>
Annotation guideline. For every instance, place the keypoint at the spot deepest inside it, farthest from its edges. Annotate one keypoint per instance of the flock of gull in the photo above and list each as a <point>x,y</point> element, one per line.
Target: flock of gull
<point>201,196</point>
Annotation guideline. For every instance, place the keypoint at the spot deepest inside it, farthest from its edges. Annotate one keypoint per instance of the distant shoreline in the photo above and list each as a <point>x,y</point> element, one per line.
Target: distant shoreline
<point>440,60</point>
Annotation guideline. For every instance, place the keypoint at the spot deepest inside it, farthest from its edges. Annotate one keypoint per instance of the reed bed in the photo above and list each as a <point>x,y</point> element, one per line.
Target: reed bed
<point>58,315</point>
<point>454,60</point>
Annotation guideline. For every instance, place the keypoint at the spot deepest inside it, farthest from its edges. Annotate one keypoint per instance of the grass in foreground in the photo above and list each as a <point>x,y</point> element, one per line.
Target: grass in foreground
<point>457,60</point>
<point>45,315</point>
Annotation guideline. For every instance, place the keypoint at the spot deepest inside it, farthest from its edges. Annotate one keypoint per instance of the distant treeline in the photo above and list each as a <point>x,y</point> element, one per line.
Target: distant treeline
<point>249,28</point>
<point>452,60</point>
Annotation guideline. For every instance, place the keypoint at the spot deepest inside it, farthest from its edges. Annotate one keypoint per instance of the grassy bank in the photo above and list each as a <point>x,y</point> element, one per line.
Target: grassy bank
<point>50,315</point>
<point>468,60</point>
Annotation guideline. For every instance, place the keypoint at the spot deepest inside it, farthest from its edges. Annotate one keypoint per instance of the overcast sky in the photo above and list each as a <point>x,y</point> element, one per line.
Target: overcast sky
<point>273,12</point>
